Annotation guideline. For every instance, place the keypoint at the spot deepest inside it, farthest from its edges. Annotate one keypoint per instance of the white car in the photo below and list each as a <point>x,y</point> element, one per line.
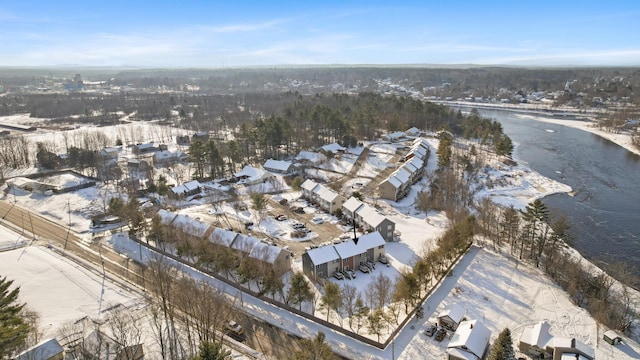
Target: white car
<point>234,327</point>
<point>317,220</point>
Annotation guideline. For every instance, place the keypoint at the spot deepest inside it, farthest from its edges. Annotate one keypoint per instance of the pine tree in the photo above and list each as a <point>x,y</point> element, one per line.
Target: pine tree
<point>502,349</point>
<point>316,349</point>
<point>212,351</point>
<point>13,328</point>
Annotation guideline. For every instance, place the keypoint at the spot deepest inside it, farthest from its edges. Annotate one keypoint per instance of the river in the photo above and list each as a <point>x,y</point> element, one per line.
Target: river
<point>605,207</point>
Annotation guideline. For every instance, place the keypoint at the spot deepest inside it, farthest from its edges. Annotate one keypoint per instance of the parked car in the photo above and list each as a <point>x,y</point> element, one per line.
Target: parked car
<point>364,268</point>
<point>317,220</point>
<point>383,259</point>
<point>234,327</point>
<point>281,217</point>
<point>350,274</point>
<point>430,330</point>
<point>441,334</point>
<point>338,275</point>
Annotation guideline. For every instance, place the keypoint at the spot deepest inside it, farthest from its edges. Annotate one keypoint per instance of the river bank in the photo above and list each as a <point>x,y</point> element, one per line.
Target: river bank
<point>582,120</point>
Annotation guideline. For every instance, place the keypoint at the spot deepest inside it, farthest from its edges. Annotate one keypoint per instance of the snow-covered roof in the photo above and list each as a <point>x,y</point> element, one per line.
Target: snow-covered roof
<point>455,312</point>
<point>43,350</point>
<point>349,249</point>
<point>472,336</point>
<point>308,185</point>
<point>419,152</point>
<point>186,187</point>
<point>393,181</point>
<point>244,243</point>
<point>572,343</point>
<point>417,162</point>
<point>144,146</point>
<point>167,155</point>
<point>250,172</point>
<point>166,216</point>
<point>190,225</point>
<point>326,193</point>
<point>371,240</point>
<point>279,165</point>
<point>538,335</point>
<point>395,135</point>
<point>265,252</point>
<point>313,157</point>
<point>370,216</point>
<point>402,175</point>
<point>410,167</point>
<point>334,148</point>
<point>413,131</point>
<point>222,236</point>
<point>352,204</point>
<point>611,334</point>
<point>323,255</point>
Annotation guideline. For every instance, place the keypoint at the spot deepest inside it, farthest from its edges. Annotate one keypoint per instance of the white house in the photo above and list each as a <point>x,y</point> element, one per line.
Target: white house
<point>310,158</point>
<point>250,175</point>
<point>334,148</point>
<point>469,342</point>
<point>278,166</point>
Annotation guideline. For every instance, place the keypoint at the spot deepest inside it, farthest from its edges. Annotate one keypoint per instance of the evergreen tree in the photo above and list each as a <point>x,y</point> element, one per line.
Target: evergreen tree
<point>13,327</point>
<point>502,349</point>
<point>212,351</point>
<point>299,291</point>
<point>316,349</point>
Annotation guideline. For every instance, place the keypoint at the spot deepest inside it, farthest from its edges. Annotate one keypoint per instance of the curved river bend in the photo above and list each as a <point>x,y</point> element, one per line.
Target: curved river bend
<point>605,210</point>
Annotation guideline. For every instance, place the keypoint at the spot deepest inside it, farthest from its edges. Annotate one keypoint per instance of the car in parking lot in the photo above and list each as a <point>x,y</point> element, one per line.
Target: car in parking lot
<point>441,333</point>
<point>338,275</point>
<point>364,268</point>
<point>317,220</point>
<point>281,217</point>
<point>430,330</point>
<point>383,259</point>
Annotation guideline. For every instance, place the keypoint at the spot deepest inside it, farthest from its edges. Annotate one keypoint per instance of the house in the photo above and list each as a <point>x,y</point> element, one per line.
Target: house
<point>451,317</point>
<point>310,158</point>
<point>394,136</point>
<point>49,349</point>
<point>414,131</point>
<point>278,166</point>
<point>350,207</point>
<point>110,153</point>
<point>192,227</point>
<point>612,337</point>
<point>183,140</point>
<point>137,164</point>
<point>327,199</point>
<point>390,187</point>
<point>534,339</point>
<point>250,175</point>
<point>242,245</point>
<point>323,261</point>
<point>271,257</point>
<point>144,148</point>
<point>469,342</point>
<point>368,218</point>
<point>201,135</point>
<point>307,188</point>
<point>334,148</point>
<point>320,262</point>
<point>187,189</point>
<point>166,156</point>
<point>99,346</point>
<point>538,342</point>
<point>222,237</point>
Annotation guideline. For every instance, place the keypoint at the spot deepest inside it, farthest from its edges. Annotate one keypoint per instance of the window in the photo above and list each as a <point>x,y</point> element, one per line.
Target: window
<point>381,247</point>
<point>389,227</point>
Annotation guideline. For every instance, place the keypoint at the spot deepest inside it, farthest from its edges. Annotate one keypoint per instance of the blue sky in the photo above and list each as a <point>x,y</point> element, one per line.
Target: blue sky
<point>243,33</point>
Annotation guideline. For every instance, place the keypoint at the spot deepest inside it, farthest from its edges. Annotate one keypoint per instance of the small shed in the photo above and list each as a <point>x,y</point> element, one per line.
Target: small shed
<point>451,317</point>
<point>612,337</point>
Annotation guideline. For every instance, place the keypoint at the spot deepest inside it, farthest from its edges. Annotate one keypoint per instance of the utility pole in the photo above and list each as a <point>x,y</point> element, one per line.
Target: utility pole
<point>68,227</point>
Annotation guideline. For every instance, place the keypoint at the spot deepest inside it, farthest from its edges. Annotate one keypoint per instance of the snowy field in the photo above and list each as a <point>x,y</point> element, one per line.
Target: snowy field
<point>60,290</point>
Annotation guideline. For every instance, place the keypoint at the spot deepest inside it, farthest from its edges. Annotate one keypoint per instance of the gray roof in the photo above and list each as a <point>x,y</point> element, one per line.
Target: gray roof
<point>222,237</point>
<point>323,255</point>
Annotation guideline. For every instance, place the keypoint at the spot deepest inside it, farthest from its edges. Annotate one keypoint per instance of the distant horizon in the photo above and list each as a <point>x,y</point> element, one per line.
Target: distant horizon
<point>248,34</point>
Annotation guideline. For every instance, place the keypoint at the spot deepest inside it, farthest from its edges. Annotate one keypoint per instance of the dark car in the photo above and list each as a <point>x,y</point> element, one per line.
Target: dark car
<point>430,330</point>
<point>441,334</point>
